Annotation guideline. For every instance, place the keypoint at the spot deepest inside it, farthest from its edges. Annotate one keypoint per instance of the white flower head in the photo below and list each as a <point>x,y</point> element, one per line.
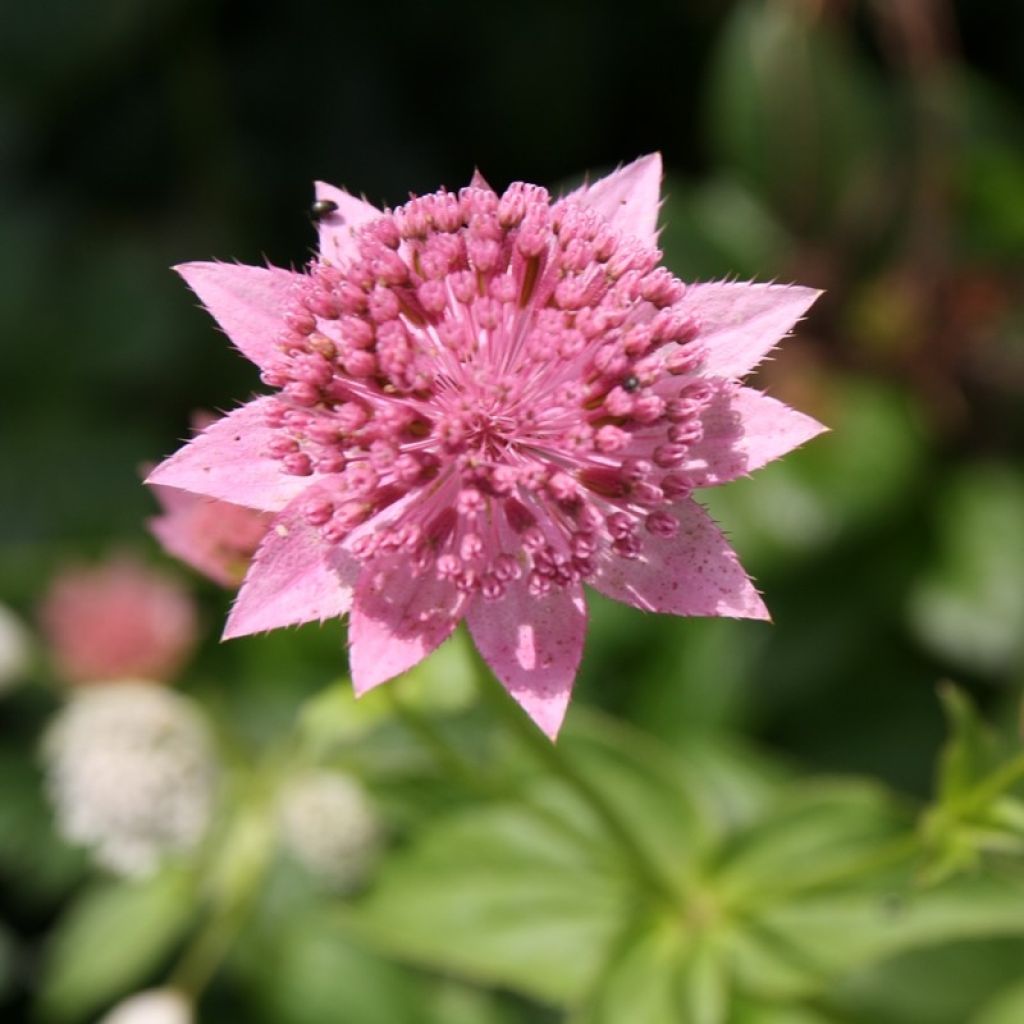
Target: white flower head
<point>131,772</point>
<point>330,826</point>
<point>154,1006</point>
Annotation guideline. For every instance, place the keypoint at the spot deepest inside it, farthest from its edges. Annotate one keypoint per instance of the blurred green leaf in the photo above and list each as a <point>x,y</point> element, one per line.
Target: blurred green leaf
<point>941,984</point>
<point>833,933</point>
<point>644,981</point>
<point>720,229</point>
<point>8,955</point>
<point>749,1012</point>
<point>795,113</point>
<point>847,481</point>
<point>318,975</point>
<point>45,867</point>
<point>444,682</point>
<point>111,939</point>
<point>970,606</point>
<point>645,784</point>
<point>504,896</point>
<point>1005,1008</point>
<point>970,752</point>
<point>830,828</point>
<point>334,717</point>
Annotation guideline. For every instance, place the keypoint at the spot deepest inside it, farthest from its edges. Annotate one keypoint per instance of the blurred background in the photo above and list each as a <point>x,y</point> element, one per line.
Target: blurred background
<point>873,149</point>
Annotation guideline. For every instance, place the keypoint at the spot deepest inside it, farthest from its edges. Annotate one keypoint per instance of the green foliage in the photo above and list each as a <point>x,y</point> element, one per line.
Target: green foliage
<point>112,938</point>
<point>796,113</point>
<point>1006,1007</point>
<point>969,606</point>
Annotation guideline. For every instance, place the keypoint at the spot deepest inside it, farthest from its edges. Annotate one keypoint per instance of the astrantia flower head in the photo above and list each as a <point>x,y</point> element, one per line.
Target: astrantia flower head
<point>154,1006</point>
<point>329,824</point>
<point>482,402</point>
<point>131,772</point>
<point>119,619</point>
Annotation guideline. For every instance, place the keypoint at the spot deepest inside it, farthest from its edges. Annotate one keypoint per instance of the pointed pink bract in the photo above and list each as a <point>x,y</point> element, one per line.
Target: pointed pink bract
<point>741,323</point>
<point>248,303</point>
<point>396,621</point>
<point>337,229</point>
<point>629,198</point>
<point>229,461</point>
<point>534,644</point>
<point>295,577</point>
<point>695,572</point>
<point>744,430</point>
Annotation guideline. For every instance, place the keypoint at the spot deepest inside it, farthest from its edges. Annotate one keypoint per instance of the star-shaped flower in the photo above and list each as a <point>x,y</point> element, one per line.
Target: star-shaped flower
<point>481,403</point>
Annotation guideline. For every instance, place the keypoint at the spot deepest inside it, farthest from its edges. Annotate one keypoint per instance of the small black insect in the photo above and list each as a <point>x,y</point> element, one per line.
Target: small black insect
<point>322,208</point>
<point>631,383</point>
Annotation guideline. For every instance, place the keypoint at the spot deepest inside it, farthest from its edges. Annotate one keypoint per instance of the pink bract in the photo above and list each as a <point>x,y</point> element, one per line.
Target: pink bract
<point>214,537</point>
<point>119,620</point>
<point>482,402</point>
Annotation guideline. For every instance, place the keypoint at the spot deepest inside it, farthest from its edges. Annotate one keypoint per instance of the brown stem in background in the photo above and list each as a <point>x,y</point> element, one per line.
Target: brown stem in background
<point>919,38</point>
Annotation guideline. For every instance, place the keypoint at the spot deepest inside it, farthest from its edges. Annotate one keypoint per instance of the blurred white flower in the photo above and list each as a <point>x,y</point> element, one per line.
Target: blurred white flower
<point>131,773</point>
<point>330,826</point>
<point>15,649</point>
<point>155,1006</point>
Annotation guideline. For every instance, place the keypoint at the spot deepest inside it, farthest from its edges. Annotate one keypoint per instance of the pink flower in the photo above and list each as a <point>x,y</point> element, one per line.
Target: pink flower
<point>120,620</point>
<point>216,538</point>
<point>481,403</point>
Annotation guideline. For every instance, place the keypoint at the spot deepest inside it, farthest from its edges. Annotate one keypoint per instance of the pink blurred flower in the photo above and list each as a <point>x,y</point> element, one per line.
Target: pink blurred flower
<point>120,620</point>
<point>216,538</point>
<point>483,402</point>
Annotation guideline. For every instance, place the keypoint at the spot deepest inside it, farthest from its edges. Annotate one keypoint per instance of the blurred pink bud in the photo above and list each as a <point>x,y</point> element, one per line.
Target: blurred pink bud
<point>215,538</point>
<point>117,620</point>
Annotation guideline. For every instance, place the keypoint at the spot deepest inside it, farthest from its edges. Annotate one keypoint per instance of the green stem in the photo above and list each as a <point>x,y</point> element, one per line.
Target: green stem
<point>988,789</point>
<point>236,866</point>
<point>549,754</point>
<point>207,951</point>
<point>448,757</point>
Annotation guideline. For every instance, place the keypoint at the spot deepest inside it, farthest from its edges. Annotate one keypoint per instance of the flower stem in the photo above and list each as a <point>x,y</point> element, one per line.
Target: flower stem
<point>448,757</point>
<point>207,951</point>
<point>555,759</point>
<point>994,785</point>
<point>235,870</point>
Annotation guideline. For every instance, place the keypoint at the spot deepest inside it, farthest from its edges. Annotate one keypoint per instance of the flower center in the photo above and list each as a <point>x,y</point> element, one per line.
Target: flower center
<point>490,384</point>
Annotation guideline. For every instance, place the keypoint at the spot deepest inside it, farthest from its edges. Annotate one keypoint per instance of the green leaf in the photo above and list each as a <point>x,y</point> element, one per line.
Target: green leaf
<point>1005,1008</point>
<point>840,485</point>
<point>111,939</point>
<point>318,974</point>
<point>796,114</point>
<point>752,1012</point>
<point>824,936</point>
<point>943,984</point>
<point>646,785</point>
<point>501,895</point>
<point>334,717</point>
<point>444,682</point>
<point>970,606</point>
<point>644,982</point>
<point>44,865</point>
<point>818,832</point>
<point>970,752</point>
<point>721,229</point>
<point>8,955</point>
